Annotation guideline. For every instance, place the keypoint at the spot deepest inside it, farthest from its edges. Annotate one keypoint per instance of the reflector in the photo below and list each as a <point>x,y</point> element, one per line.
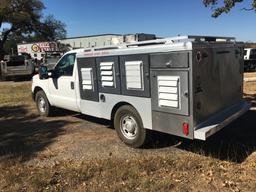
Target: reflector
<point>185,129</point>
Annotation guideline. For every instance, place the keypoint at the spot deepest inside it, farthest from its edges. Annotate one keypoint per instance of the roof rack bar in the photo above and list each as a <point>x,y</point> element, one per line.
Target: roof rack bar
<point>158,41</point>
<point>104,48</point>
<point>210,38</point>
<point>170,40</point>
<point>182,39</point>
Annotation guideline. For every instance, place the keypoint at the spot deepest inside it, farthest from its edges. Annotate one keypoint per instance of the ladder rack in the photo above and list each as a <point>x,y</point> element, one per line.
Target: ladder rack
<point>166,41</point>
<point>211,38</point>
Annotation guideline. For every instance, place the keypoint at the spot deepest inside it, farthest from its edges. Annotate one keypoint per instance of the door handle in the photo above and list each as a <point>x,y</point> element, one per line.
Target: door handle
<point>72,85</point>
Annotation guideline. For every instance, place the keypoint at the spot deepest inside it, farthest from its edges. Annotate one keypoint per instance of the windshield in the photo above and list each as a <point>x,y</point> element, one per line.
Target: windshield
<point>51,58</point>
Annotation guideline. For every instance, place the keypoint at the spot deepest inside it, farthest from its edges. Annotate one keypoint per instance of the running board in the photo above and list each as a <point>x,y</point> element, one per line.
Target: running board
<point>222,119</point>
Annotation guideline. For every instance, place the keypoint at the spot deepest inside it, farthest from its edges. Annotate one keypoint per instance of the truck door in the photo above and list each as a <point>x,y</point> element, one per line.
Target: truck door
<point>62,86</point>
<point>88,79</point>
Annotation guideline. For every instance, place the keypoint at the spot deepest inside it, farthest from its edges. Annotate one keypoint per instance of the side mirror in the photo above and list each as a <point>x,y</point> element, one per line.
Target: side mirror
<point>43,72</point>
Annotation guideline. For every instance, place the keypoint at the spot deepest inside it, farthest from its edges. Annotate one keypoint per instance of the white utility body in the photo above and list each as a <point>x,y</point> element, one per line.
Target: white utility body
<point>182,86</point>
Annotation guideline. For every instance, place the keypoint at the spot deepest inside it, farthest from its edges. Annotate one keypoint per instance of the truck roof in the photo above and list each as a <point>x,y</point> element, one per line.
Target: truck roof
<point>178,43</point>
<point>249,48</point>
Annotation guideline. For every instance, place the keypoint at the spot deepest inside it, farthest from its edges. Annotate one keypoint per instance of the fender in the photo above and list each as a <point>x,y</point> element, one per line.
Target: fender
<point>39,84</point>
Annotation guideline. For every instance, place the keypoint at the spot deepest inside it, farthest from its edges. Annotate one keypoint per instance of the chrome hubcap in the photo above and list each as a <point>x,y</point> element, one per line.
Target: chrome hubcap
<point>41,105</point>
<point>129,127</point>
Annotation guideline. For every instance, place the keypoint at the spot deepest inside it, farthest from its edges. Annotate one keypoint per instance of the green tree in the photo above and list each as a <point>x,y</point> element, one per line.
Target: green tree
<point>24,18</point>
<point>225,6</point>
<point>51,29</point>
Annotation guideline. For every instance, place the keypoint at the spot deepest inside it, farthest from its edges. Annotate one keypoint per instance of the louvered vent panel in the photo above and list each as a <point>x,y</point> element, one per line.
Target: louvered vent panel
<point>107,72</point>
<point>87,78</point>
<point>133,70</point>
<point>168,91</point>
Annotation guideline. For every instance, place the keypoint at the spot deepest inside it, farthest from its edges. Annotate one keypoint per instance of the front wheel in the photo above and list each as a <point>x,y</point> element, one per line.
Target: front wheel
<point>43,106</point>
<point>129,126</point>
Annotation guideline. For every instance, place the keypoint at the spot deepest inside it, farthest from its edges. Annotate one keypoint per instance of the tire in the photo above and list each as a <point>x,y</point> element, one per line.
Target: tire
<point>129,127</point>
<point>43,106</point>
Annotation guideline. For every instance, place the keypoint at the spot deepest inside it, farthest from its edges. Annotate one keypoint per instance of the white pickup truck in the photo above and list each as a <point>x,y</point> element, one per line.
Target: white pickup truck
<point>249,59</point>
<point>189,86</point>
<point>16,66</point>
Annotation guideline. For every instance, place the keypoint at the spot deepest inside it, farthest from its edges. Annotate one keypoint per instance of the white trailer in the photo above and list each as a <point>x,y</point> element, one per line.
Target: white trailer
<point>189,86</point>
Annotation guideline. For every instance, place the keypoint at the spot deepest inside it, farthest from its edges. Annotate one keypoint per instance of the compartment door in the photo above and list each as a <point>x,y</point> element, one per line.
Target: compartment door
<point>88,79</point>
<point>135,75</point>
<point>108,75</point>
<point>169,90</point>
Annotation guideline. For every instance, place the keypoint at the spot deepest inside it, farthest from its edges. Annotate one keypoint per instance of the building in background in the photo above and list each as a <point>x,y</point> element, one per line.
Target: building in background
<point>92,41</point>
<point>104,40</point>
<point>37,50</point>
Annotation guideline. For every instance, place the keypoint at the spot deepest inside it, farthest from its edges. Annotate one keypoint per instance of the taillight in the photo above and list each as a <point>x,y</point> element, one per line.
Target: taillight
<point>185,129</point>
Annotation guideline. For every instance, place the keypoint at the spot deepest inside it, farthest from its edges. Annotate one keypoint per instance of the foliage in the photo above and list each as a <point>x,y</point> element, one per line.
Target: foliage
<point>51,29</point>
<point>225,6</point>
<point>23,19</point>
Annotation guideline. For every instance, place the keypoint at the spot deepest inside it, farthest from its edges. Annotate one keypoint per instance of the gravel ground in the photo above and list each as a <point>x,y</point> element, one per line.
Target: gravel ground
<point>66,136</point>
<point>78,137</point>
<point>62,145</point>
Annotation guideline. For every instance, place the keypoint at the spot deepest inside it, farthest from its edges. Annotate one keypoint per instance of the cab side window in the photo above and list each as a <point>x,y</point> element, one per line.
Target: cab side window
<point>66,65</point>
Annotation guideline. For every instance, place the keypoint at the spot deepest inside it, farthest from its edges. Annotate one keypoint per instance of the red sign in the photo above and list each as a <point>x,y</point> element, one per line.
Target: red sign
<point>44,46</point>
<point>22,49</point>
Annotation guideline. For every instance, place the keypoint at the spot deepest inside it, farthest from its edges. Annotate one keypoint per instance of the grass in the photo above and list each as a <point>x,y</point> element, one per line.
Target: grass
<point>15,93</point>
<point>180,173</point>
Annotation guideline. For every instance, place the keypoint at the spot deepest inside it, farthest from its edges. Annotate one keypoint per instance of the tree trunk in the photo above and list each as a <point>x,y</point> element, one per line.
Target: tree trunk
<point>2,52</point>
<point>4,39</point>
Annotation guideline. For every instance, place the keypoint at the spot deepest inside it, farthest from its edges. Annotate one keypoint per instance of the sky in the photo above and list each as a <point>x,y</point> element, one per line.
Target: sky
<point>165,18</point>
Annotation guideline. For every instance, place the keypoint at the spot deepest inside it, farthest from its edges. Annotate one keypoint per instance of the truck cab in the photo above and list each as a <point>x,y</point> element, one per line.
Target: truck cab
<point>249,59</point>
<point>59,85</point>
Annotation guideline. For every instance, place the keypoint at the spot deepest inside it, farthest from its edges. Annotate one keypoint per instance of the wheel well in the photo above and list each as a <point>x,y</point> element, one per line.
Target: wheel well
<point>116,107</point>
<point>35,92</point>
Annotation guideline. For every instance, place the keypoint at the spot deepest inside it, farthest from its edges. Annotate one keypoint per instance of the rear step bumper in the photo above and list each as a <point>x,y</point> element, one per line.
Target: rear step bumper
<point>217,122</point>
<point>17,72</point>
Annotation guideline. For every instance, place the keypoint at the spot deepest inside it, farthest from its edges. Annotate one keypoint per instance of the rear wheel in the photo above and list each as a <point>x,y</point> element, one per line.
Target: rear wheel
<point>43,106</point>
<point>129,126</point>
